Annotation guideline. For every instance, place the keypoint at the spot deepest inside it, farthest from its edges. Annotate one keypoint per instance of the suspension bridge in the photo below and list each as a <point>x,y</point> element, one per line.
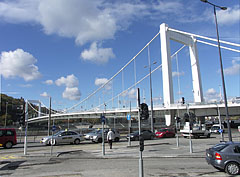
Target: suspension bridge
<point>119,101</point>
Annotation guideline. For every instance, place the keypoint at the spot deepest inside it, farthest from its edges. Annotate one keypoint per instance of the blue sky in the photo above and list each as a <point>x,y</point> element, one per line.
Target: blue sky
<point>66,49</point>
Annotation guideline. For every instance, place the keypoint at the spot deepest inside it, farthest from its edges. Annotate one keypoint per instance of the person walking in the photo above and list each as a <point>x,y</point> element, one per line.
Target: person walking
<point>110,138</point>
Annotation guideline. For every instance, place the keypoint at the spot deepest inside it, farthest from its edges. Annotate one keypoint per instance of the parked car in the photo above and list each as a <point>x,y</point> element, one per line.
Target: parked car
<point>87,136</point>
<point>97,136</point>
<point>8,137</point>
<point>215,128</point>
<point>146,134</point>
<point>63,137</point>
<point>225,156</point>
<point>165,133</point>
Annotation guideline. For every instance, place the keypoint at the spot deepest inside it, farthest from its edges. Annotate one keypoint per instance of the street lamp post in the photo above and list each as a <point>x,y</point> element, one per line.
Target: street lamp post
<point>150,83</point>
<point>221,65</point>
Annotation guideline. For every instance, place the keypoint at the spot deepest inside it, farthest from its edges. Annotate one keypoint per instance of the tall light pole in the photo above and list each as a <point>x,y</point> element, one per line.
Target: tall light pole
<point>221,65</point>
<point>150,83</point>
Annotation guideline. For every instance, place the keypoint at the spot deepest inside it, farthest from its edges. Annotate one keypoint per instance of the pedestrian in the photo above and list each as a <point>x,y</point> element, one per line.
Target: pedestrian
<point>110,138</point>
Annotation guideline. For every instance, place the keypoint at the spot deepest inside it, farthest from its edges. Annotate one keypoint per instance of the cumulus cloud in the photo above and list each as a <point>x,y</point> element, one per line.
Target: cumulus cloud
<point>44,94</point>
<point>19,63</point>
<point>49,82</point>
<point>97,54</point>
<point>132,93</point>
<point>211,95</point>
<point>87,21</point>
<point>101,81</point>
<point>229,16</point>
<point>69,81</point>
<point>234,69</point>
<point>71,91</point>
<point>174,74</point>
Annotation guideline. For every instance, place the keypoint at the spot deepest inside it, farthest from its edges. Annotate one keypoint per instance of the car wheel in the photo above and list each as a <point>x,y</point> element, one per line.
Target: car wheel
<point>76,141</point>
<point>8,145</point>
<point>152,137</point>
<point>232,168</point>
<point>99,140</point>
<point>116,139</point>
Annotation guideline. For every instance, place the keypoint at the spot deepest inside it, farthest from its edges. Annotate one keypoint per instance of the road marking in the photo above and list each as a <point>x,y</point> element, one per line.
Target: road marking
<point>9,157</point>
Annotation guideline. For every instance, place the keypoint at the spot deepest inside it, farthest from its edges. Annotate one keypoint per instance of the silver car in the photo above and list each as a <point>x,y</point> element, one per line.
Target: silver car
<point>63,137</point>
<point>225,157</point>
<point>97,136</point>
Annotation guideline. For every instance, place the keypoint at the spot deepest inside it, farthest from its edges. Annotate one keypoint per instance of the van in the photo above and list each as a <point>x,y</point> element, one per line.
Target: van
<point>8,137</point>
<point>215,128</point>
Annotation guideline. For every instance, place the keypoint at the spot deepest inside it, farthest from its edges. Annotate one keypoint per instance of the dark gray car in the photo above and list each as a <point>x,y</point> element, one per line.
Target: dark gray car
<point>146,134</point>
<point>225,156</point>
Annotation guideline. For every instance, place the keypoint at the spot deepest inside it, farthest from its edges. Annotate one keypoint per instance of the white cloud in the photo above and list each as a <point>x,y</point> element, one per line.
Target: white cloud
<point>71,93</point>
<point>102,81</point>
<point>49,82</point>
<point>234,69</point>
<point>211,95</point>
<point>26,85</point>
<point>88,21</point>
<point>229,16</point>
<point>69,81</point>
<point>96,54</point>
<point>44,94</point>
<point>19,11</point>
<point>132,93</point>
<point>19,64</point>
<point>174,73</point>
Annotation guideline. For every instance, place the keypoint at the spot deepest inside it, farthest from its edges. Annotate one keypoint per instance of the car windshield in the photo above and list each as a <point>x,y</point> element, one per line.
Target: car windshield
<point>163,130</point>
<point>58,133</point>
<point>219,147</point>
<point>215,128</point>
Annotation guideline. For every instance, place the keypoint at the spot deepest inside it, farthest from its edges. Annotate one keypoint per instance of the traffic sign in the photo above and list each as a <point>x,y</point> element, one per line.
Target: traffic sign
<point>54,128</point>
<point>220,130</point>
<point>103,119</point>
<point>128,117</point>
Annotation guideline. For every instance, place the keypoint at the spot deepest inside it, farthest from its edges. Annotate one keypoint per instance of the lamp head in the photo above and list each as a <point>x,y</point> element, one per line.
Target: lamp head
<point>204,0</point>
<point>224,8</point>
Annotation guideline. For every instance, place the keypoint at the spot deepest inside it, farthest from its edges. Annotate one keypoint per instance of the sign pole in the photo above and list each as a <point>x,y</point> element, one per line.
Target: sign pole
<point>129,126</point>
<point>26,127</point>
<point>139,126</point>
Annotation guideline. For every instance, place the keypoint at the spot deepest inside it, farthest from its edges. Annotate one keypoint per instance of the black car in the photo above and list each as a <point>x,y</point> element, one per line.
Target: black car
<point>225,156</point>
<point>146,134</point>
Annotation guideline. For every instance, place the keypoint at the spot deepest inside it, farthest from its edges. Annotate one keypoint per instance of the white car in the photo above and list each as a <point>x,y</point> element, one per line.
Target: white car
<point>63,137</point>
<point>215,128</point>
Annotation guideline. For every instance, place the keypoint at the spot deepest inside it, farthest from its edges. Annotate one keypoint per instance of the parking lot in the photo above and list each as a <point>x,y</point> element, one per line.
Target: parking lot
<point>161,157</point>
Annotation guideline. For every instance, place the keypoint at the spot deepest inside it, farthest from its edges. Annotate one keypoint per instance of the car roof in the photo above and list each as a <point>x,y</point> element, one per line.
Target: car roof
<point>7,128</point>
<point>230,142</point>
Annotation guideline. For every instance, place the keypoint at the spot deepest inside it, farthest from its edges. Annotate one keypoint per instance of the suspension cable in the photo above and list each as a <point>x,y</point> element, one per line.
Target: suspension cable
<point>93,93</point>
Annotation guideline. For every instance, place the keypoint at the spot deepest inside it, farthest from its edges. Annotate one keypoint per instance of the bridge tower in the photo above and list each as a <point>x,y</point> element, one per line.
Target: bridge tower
<point>167,34</point>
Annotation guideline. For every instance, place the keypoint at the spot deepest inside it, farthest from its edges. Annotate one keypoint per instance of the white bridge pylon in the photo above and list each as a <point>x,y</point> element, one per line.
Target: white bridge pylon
<point>166,35</point>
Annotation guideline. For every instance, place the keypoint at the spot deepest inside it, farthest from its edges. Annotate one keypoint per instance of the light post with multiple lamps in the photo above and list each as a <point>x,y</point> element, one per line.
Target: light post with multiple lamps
<point>221,65</point>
